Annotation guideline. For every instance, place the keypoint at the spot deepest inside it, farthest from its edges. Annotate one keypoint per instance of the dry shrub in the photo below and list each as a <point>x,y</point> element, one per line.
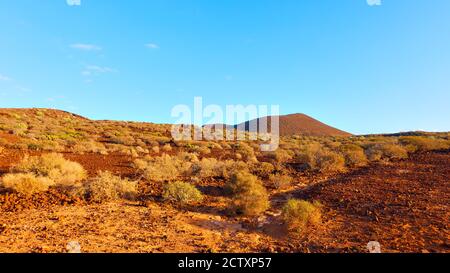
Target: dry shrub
<point>165,167</point>
<point>26,183</point>
<point>329,161</point>
<point>249,195</point>
<point>306,154</point>
<point>141,150</point>
<point>333,144</point>
<point>229,167</point>
<point>167,148</point>
<point>263,169</point>
<point>246,151</point>
<point>140,164</point>
<point>417,143</point>
<point>214,145</point>
<point>354,155</point>
<point>89,147</point>
<point>281,156</point>
<point>225,145</point>
<point>162,168</point>
<point>380,151</point>
<point>321,159</point>
<point>123,140</point>
<point>108,187</point>
<point>155,149</point>
<point>133,152</point>
<point>182,192</point>
<point>212,168</point>
<point>3,142</point>
<point>300,214</point>
<point>203,150</point>
<point>206,168</point>
<point>54,166</point>
<point>280,181</point>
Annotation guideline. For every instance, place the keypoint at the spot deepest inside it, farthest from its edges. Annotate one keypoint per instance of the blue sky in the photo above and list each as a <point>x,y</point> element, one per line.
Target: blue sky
<point>359,67</point>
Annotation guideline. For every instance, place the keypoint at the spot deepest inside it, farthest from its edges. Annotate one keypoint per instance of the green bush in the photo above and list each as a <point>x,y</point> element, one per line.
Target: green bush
<point>321,159</point>
<point>329,161</point>
<point>354,155</point>
<point>300,214</point>
<point>382,151</point>
<point>417,143</point>
<point>182,192</point>
<point>249,196</point>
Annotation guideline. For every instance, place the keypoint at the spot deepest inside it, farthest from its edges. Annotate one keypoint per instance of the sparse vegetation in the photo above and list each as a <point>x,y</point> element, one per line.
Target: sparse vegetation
<point>182,192</point>
<point>300,214</point>
<point>108,187</point>
<point>329,161</point>
<point>211,168</point>
<point>281,156</point>
<point>280,181</point>
<point>164,168</point>
<point>247,152</point>
<point>417,143</point>
<point>263,169</point>
<point>354,155</point>
<point>53,166</point>
<point>26,183</point>
<point>236,177</point>
<point>321,159</point>
<point>249,196</point>
<point>386,151</point>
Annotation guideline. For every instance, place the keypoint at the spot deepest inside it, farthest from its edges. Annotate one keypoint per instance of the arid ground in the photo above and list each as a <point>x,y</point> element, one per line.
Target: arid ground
<point>390,189</point>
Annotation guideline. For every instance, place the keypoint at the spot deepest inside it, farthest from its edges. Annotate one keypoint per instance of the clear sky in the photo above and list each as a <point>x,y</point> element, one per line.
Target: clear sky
<point>363,68</point>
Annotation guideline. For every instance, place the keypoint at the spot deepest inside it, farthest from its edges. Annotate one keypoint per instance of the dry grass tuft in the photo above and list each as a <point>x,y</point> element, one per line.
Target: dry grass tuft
<point>27,184</point>
<point>250,197</point>
<point>417,143</point>
<point>53,166</point>
<point>263,169</point>
<point>321,159</point>
<point>280,181</point>
<point>354,155</point>
<point>386,151</point>
<point>107,187</point>
<point>164,168</point>
<point>182,192</point>
<point>300,214</point>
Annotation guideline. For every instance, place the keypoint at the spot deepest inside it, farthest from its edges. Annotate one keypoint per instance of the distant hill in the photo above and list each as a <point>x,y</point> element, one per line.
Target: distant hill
<point>295,124</point>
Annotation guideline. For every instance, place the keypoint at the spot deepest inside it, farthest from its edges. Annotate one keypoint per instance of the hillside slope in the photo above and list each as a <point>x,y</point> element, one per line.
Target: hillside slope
<point>294,124</point>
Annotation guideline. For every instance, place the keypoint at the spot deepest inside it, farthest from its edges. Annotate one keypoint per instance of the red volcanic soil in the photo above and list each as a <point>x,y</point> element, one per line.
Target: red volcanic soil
<point>292,124</point>
<point>295,124</point>
<point>404,205</point>
<point>115,163</point>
